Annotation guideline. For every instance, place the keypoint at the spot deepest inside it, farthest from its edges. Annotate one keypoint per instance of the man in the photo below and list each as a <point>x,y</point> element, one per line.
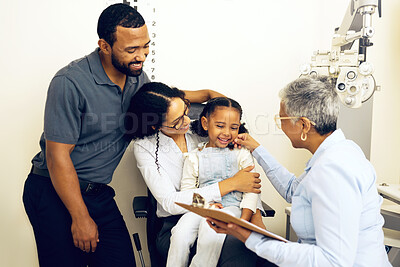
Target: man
<point>75,219</point>
<point>72,210</point>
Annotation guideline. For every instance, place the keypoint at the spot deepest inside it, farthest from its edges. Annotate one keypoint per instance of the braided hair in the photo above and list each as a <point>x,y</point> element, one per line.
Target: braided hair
<point>147,111</point>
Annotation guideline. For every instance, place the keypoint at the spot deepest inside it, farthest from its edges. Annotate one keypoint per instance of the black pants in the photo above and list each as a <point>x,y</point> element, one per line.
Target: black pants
<point>51,224</point>
<point>234,252</point>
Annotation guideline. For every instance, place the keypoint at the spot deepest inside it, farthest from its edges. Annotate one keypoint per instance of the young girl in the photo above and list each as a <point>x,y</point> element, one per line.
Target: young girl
<point>210,163</point>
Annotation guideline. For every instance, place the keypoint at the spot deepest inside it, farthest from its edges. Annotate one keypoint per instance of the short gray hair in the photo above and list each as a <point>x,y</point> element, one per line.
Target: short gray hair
<point>313,98</point>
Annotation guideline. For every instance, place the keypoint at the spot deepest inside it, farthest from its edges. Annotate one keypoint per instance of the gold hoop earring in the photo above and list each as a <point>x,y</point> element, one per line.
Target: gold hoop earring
<point>303,136</point>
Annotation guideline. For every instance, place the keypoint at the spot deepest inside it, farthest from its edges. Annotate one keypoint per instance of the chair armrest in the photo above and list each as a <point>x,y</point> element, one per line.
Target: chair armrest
<point>140,206</point>
<point>269,212</point>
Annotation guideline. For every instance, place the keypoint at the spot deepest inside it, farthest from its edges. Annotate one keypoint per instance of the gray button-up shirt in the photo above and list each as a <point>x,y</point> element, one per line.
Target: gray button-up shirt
<point>85,108</point>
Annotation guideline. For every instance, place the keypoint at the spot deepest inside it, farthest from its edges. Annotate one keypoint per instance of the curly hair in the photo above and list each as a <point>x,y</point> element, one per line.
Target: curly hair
<point>210,107</point>
<point>117,15</point>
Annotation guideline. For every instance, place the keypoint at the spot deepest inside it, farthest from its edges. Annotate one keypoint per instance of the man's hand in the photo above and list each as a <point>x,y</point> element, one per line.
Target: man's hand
<point>231,229</point>
<point>200,96</point>
<point>246,141</point>
<point>85,234</point>
<point>65,181</point>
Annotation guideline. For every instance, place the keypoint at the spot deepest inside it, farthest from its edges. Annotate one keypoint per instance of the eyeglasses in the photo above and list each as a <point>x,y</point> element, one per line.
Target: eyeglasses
<point>181,119</point>
<point>278,121</point>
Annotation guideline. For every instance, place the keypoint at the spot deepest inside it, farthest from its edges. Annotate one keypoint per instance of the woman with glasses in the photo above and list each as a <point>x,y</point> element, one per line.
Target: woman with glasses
<point>157,119</point>
<point>335,204</point>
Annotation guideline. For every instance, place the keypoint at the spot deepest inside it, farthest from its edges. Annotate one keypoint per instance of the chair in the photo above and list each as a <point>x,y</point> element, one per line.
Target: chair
<point>146,207</point>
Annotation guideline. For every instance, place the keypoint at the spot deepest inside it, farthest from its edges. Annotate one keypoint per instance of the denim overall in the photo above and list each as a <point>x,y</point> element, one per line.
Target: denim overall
<point>215,165</point>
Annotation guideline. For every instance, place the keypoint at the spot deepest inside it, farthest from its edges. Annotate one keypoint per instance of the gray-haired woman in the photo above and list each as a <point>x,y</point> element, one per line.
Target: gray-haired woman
<point>335,204</point>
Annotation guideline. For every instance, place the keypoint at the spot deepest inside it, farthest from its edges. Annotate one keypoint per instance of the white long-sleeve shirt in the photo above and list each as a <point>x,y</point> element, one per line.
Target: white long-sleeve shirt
<point>335,209</point>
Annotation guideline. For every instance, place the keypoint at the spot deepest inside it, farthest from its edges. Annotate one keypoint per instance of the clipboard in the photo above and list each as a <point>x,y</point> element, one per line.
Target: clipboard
<point>227,218</point>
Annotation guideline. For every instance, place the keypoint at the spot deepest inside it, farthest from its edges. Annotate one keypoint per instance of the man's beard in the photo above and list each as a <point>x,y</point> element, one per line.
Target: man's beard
<point>125,68</point>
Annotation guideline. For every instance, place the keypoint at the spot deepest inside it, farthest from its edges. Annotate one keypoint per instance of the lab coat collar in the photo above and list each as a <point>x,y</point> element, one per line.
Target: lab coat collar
<point>331,140</point>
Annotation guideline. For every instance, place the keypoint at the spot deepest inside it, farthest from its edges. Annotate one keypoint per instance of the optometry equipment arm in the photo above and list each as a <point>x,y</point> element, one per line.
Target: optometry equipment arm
<point>355,83</point>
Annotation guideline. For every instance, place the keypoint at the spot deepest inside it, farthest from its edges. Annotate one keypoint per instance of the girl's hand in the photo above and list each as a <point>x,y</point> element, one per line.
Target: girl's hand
<point>246,141</point>
<point>231,229</point>
<point>216,206</point>
<point>257,219</point>
<point>246,214</point>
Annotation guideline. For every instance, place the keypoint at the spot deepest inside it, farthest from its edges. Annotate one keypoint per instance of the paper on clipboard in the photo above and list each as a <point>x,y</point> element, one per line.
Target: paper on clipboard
<point>227,218</point>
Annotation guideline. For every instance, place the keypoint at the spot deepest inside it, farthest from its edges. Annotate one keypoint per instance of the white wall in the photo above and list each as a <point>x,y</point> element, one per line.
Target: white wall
<point>247,50</point>
<point>385,125</point>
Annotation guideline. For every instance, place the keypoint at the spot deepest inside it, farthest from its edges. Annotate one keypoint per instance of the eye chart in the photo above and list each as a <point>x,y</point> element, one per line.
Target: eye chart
<point>147,8</point>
